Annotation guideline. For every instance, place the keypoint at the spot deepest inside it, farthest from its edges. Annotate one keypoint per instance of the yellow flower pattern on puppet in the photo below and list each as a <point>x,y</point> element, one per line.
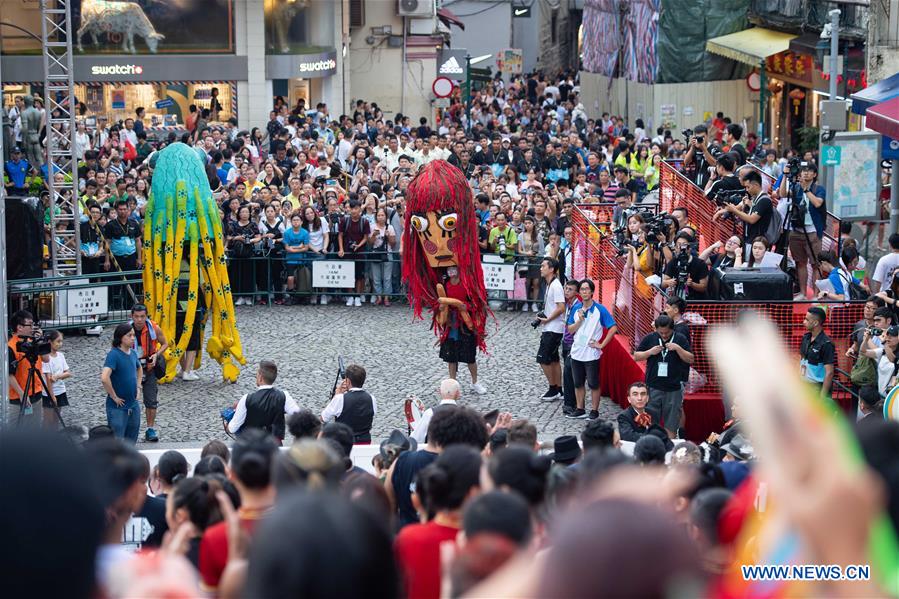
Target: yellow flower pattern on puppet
<point>183,237</point>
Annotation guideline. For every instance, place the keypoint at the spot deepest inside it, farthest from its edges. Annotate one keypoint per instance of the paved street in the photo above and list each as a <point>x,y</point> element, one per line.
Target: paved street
<point>398,354</point>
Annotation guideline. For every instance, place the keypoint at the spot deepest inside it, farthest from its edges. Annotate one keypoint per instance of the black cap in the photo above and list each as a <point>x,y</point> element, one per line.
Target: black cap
<point>16,149</point>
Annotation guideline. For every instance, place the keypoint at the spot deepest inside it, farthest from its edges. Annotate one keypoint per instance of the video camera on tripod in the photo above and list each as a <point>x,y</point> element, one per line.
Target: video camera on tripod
<point>33,346</point>
<point>682,266</point>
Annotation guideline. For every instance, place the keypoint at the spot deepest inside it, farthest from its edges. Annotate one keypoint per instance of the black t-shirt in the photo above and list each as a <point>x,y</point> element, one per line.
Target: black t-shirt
<point>678,370</point>
<point>405,470</point>
<point>154,512</point>
<point>725,184</point>
<point>698,270</point>
<point>765,208</point>
<point>739,153</point>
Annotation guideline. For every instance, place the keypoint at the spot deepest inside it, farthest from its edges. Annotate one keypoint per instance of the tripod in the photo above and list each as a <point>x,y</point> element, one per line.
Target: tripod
<point>34,376</point>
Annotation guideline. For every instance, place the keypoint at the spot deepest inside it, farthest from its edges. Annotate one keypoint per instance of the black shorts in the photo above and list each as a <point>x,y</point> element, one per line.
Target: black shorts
<point>582,372</point>
<point>358,265</point>
<point>62,400</point>
<point>548,353</point>
<point>464,349</point>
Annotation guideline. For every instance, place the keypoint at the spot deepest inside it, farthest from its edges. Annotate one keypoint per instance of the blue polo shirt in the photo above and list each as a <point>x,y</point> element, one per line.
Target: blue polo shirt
<point>17,171</point>
<point>293,238</point>
<point>124,373</point>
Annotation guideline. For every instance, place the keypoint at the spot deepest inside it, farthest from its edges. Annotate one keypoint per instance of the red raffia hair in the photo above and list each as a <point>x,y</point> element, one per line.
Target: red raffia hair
<point>439,186</point>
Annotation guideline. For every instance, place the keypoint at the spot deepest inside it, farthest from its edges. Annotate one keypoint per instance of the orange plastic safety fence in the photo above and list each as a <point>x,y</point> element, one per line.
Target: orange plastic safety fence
<point>635,305</point>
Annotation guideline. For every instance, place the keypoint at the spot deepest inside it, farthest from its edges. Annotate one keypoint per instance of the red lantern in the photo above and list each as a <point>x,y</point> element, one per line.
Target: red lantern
<point>797,95</point>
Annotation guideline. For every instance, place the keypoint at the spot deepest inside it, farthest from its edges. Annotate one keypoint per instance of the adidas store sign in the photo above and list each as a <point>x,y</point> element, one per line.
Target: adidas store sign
<point>452,64</point>
<point>451,67</point>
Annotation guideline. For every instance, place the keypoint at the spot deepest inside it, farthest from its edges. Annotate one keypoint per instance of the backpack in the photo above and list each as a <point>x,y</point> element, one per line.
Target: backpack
<point>864,372</point>
<point>775,227</point>
<point>853,291</point>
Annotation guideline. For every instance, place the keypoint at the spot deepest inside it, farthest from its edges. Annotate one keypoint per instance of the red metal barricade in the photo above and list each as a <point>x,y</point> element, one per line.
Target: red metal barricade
<point>635,305</point>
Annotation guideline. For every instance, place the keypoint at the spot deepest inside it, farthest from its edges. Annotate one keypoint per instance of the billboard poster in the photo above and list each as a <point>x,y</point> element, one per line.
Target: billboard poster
<point>510,60</point>
<point>129,26</point>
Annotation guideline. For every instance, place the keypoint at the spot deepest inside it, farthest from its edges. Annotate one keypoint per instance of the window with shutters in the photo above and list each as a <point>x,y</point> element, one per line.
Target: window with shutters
<point>357,13</point>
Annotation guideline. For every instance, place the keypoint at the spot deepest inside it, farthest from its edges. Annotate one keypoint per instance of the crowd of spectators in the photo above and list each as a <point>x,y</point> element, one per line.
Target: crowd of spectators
<point>477,506</point>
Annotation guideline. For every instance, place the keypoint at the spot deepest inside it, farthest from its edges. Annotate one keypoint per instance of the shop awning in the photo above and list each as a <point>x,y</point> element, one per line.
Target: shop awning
<point>884,118</point>
<point>449,18</point>
<point>881,91</point>
<point>750,46</point>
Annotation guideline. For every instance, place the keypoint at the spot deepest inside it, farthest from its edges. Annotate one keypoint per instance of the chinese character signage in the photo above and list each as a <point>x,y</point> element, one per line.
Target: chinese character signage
<point>791,66</point>
<point>86,302</point>
<point>499,276</point>
<point>333,274</point>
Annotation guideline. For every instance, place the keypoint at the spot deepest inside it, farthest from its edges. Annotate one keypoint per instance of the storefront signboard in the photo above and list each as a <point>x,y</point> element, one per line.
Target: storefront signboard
<point>301,66</point>
<point>133,69</point>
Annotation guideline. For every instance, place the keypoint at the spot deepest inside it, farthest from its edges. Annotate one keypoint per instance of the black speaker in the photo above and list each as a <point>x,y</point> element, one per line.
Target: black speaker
<point>750,284</point>
<point>24,238</point>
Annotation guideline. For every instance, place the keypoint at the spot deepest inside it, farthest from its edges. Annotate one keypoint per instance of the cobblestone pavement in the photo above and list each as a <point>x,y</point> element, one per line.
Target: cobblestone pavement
<point>398,354</point>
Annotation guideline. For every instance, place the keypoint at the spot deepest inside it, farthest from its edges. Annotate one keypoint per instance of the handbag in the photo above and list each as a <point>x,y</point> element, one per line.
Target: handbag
<point>520,292</point>
<point>241,249</point>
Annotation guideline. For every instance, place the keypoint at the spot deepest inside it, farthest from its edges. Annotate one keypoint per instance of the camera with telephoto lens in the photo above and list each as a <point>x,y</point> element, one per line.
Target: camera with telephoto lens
<point>734,197</point>
<point>536,322</point>
<point>655,224</point>
<point>622,241</point>
<point>501,244</point>
<point>792,168</point>
<point>34,346</point>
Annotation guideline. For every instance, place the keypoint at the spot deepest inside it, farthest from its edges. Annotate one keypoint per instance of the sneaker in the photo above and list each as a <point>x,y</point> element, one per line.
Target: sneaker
<point>386,302</point>
<point>190,375</point>
<point>535,307</point>
<point>577,413</point>
<point>374,299</point>
<point>551,395</point>
<point>377,302</point>
<point>478,389</point>
<point>349,301</point>
<point>358,301</point>
<point>324,299</point>
<point>150,436</point>
<point>567,410</point>
<point>594,414</point>
<point>524,307</point>
<point>97,330</point>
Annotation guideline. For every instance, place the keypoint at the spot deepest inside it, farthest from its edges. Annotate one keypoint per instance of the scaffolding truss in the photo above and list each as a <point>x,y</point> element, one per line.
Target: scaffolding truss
<point>62,167</point>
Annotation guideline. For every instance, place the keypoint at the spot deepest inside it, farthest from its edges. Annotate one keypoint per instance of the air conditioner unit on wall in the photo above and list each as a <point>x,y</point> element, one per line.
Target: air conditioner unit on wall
<point>416,8</point>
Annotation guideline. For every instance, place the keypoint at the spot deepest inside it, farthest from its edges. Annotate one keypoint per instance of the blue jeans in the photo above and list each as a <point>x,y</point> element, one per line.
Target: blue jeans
<point>382,277</point>
<point>125,420</point>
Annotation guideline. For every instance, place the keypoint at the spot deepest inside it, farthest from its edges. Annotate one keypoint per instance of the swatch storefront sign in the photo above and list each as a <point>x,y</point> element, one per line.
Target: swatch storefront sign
<point>305,66</point>
<point>133,69</point>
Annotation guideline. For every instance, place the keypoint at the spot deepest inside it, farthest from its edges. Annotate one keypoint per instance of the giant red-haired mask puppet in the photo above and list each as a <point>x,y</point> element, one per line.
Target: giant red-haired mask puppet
<point>440,233</point>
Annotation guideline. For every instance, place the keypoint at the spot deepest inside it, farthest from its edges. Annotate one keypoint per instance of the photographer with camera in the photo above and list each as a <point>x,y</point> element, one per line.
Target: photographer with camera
<point>698,157</point>
<point>804,212</point>
<point>502,238</point>
<point>150,344</point>
<point>624,209</point>
<point>23,350</point>
<point>686,275</point>
<point>723,181</point>
<point>882,345</point>
<point>552,327</point>
<point>755,210</point>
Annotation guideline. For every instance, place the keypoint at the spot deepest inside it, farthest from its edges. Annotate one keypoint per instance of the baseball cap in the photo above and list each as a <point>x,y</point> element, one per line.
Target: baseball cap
<point>16,150</point>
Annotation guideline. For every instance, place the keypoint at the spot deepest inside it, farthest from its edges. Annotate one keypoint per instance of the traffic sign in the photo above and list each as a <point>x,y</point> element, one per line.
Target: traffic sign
<point>442,87</point>
<point>830,155</point>
<point>480,74</point>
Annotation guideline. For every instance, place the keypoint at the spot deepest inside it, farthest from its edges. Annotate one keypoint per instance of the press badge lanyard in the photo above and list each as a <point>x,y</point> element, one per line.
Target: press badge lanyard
<point>662,368</point>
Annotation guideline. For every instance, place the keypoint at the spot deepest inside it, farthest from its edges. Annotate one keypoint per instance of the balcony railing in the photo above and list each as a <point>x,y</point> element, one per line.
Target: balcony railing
<point>810,15</point>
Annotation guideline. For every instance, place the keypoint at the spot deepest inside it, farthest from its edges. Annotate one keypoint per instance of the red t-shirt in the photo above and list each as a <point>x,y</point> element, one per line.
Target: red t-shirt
<point>214,548</point>
<point>417,548</point>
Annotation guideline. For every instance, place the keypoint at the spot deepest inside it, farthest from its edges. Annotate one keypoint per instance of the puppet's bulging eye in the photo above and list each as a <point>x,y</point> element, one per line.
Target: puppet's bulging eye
<point>419,223</point>
<point>447,222</point>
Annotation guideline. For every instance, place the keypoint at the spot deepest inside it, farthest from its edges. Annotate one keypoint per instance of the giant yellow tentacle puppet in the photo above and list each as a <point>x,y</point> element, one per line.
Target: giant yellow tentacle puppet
<point>183,238</point>
<point>442,260</point>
